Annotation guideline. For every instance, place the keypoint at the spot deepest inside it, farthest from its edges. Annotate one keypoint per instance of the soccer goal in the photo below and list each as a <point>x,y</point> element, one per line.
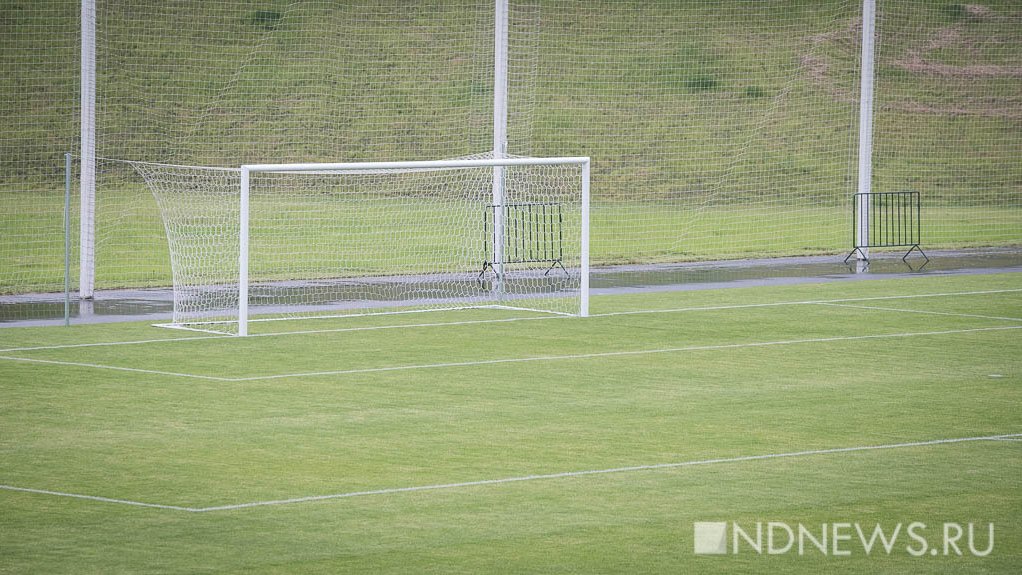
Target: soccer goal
<point>297,241</point>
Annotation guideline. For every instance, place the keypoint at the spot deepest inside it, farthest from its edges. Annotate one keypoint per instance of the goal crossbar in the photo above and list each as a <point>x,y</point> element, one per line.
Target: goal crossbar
<point>418,165</point>
<point>415,165</point>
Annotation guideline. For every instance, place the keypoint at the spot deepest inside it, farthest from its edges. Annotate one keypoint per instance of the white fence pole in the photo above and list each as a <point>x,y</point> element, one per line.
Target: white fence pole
<point>87,228</point>
<point>866,126</point>
<point>500,31</point>
<point>67,239</point>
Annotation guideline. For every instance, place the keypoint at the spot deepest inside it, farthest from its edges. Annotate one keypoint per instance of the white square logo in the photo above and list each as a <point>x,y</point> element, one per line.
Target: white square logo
<point>710,537</point>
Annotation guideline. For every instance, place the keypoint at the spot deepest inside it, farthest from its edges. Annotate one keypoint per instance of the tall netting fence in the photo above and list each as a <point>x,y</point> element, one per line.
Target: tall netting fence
<point>39,86</point>
<point>949,117</point>
<point>717,130</point>
<point>222,83</point>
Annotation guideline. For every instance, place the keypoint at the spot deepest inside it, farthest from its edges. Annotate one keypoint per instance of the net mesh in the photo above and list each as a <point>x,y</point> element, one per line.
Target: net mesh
<point>711,132</point>
<point>39,111</point>
<point>337,243</point>
<point>201,217</point>
<point>949,117</point>
<point>226,82</point>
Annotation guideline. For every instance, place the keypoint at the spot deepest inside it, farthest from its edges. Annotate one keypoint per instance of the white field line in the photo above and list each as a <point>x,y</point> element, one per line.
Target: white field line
<point>809,302</point>
<point>113,343</point>
<point>113,367</point>
<point>506,320</point>
<point>281,333</point>
<point>620,353</point>
<point>540,358</point>
<point>194,330</point>
<point>944,313</point>
<point>522,478</point>
<point>96,498</point>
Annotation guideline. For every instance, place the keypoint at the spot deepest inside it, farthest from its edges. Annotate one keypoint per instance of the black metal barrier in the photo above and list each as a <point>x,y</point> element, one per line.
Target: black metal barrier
<point>894,221</point>
<point>533,233</point>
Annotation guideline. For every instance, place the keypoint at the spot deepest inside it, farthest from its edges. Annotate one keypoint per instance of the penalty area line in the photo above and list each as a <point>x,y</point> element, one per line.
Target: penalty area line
<point>628,469</point>
<point>626,353</point>
<point>113,368</point>
<point>523,478</point>
<point>97,498</point>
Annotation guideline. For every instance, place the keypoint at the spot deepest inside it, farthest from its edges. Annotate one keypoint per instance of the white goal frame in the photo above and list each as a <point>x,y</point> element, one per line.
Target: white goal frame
<point>247,170</point>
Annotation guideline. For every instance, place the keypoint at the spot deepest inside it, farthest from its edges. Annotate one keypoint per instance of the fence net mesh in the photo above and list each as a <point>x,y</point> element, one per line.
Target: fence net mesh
<point>718,131</point>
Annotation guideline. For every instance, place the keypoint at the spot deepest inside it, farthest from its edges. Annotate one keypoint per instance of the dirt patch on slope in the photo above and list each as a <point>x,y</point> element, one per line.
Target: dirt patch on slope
<point>921,60</point>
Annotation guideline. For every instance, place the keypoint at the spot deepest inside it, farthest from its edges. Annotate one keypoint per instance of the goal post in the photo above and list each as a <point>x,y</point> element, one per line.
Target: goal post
<point>521,181</point>
<point>341,239</point>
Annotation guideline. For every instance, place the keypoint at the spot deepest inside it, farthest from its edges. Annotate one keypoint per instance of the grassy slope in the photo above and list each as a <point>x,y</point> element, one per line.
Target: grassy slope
<point>723,127</point>
<point>192,442</point>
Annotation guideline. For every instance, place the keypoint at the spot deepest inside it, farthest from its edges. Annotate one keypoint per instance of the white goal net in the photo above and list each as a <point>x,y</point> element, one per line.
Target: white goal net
<point>292,241</point>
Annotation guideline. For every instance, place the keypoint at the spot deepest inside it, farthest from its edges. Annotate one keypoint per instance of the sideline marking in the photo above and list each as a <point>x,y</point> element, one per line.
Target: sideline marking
<point>562,475</point>
<point>810,302</point>
<point>945,313</point>
<point>504,320</point>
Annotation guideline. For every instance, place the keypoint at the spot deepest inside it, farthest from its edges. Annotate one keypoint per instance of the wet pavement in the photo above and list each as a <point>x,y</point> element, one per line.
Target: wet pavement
<point>157,304</point>
<point>815,269</point>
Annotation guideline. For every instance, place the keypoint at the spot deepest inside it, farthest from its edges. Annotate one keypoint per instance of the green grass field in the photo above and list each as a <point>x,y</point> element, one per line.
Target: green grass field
<point>465,447</point>
<point>478,441</point>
